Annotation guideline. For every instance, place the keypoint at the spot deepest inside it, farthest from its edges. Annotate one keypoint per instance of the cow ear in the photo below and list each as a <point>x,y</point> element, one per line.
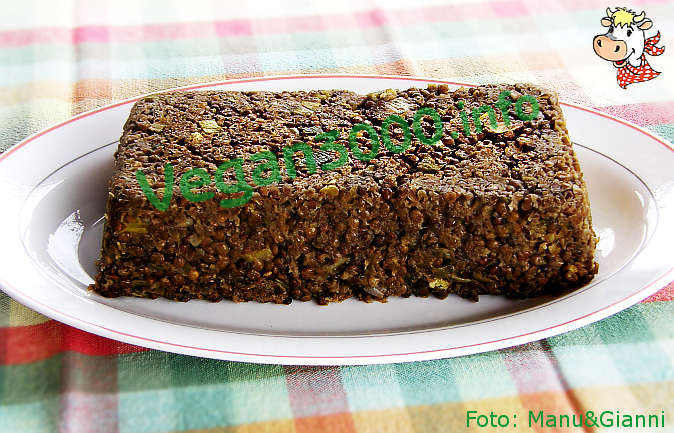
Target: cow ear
<point>605,22</point>
<point>645,24</point>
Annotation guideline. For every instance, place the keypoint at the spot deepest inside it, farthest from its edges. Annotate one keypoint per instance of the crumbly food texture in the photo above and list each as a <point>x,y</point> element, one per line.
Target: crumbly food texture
<point>504,211</point>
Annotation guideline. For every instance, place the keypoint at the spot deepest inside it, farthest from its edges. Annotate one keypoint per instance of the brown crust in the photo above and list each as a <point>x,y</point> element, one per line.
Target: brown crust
<point>500,212</point>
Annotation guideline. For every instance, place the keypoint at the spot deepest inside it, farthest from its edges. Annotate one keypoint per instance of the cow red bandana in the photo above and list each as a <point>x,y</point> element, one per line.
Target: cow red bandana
<point>629,74</point>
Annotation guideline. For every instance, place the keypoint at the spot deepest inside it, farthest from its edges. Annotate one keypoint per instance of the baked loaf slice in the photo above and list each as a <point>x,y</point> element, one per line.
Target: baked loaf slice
<point>274,196</point>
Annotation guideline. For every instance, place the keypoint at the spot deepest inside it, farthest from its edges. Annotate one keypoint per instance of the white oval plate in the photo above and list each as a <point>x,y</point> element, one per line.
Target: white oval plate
<point>56,182</point>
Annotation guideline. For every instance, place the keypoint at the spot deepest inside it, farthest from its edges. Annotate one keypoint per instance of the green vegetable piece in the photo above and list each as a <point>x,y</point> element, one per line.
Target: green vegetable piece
<point>195,138</point>
<point>330,190</point>
<point>428,165</point>
<point>263,254</point>
<point>134,227</point>
<point>311,105</point>
<point>210,126</point>
<point>157,127</point>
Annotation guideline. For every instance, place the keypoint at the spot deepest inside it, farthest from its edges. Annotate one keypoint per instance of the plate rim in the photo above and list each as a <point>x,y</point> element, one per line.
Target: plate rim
<point>599,314</point>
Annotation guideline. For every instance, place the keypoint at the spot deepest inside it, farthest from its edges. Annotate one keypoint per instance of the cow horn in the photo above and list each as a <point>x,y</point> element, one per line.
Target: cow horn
<point>640,17</point>
<point>608,12</point>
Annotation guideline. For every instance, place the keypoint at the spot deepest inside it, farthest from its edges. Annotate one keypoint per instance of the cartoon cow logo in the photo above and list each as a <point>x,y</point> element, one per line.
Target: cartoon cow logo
<point>626,45</point>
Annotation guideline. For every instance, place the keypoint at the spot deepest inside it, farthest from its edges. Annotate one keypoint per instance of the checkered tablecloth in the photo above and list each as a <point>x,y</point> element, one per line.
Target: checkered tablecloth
<point>59,58</point>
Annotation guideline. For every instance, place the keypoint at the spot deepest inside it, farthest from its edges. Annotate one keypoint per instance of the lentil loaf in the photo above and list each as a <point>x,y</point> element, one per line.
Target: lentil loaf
<point>500,210</point>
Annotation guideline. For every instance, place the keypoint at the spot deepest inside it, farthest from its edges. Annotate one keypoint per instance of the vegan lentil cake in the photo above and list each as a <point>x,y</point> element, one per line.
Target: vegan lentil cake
<point>500,210</point>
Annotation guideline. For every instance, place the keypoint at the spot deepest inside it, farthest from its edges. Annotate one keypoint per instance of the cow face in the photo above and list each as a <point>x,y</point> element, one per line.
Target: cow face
<point>623,41</point>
